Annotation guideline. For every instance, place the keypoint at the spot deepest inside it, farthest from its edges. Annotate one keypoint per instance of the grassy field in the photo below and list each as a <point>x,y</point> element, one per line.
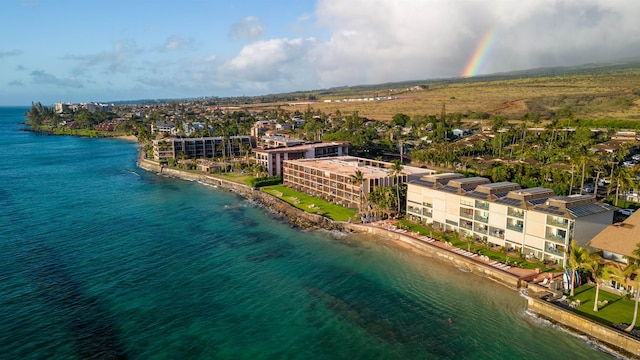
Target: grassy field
<point>613,94</point>
<point>618,310</point>
<point>311,204</point>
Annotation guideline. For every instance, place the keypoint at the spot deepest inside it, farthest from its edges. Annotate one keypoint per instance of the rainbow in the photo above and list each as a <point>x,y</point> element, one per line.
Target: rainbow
<point>480,54</point>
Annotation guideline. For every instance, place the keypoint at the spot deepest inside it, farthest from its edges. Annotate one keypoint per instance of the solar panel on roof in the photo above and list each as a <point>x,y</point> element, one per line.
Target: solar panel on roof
<point>548,210</point>
<point>587,209</point>
<point>450,189</point>
<point>537,201</point>
<point>501,195</point>
<point>477,195</point>
<point>509,201</point>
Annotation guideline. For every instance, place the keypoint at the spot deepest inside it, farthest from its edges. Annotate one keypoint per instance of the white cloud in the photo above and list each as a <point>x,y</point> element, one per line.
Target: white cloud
<point>271,60</point>
<point>118,60</point>
<point>4,54</point>
<point>249,28</point>
<point>177,43</point>
<point>41,77</point>
<point>386,40</point>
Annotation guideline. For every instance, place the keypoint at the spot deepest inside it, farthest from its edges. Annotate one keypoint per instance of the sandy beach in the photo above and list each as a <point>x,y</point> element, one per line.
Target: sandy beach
<point>128,138</point>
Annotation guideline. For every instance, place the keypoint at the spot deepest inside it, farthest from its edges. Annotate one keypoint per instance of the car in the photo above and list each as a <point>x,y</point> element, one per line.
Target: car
<point>626,212</point>
<point>588,188</point>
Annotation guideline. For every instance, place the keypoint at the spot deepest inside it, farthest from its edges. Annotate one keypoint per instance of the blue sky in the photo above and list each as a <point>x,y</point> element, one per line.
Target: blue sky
<point>80,51</point>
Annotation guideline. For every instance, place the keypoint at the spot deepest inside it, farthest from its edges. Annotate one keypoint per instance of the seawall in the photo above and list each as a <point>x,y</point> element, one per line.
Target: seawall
<point>292,214</point>
<point>618,340</point>
<point>478,267</point>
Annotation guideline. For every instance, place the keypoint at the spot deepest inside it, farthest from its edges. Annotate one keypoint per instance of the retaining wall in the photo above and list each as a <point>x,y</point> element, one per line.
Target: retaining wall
<point>619,340</point>
<point>470,264</point>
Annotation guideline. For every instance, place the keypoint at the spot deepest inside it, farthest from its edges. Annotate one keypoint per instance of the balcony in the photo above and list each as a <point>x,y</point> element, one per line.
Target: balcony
<point>466,225</point>
<point>556,238</point>
<point>481,230</point>
<point>482,205</point>
<point>466,215</point>
<point>498,233</point>
<point>554,251</point>
<point>559,222</point>
<point>466,203</point>
<point>515,227</point>
<point>481,218</point>
<point>515,213</point>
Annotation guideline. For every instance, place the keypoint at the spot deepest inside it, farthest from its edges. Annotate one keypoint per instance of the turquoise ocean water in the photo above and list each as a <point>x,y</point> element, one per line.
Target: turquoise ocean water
<point>99,259</point>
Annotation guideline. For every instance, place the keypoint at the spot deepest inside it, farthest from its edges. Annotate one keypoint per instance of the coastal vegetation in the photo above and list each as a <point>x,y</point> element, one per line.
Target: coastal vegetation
<point>311,204</point>
<point>547,131</point>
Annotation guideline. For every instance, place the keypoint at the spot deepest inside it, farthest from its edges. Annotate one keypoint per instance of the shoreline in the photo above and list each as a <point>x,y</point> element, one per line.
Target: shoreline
<point>514,278</point>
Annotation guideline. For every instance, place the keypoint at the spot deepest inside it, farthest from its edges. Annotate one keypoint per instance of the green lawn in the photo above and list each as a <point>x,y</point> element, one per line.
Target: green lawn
<point>235,177</point>
<point>311,204</point>
<point>618,310</point>
<point>475,247</point>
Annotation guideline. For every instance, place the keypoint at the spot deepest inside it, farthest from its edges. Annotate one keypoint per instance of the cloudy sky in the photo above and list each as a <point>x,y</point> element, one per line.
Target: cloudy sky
<point>79,51</point>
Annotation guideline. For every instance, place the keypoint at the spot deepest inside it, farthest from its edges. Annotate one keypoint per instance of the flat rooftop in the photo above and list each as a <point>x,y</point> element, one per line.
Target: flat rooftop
<point>302,148</point>
<point>347,165</point>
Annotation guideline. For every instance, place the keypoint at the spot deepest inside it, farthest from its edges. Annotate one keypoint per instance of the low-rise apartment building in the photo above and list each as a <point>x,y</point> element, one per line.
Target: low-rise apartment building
<point>534,222</point>
<point>273,159</point>
<point>331,178</point>
<point>204,147</point>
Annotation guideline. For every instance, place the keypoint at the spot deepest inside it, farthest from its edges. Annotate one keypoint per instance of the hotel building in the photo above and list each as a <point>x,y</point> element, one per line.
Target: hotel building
<point>330,178</point>
<point>204,147</point>
<point>273,159</point>
<point>534,222</point>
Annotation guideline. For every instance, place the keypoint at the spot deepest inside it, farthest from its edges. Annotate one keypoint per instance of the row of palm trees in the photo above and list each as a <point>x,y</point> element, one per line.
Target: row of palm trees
<point>381,198</point>
<point>601,272</point>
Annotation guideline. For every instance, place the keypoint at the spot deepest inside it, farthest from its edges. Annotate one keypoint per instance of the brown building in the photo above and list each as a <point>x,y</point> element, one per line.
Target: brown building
<point>331,178</point>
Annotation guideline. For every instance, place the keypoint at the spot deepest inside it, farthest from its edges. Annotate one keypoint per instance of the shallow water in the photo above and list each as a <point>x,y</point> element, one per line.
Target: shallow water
<point>99,259</point>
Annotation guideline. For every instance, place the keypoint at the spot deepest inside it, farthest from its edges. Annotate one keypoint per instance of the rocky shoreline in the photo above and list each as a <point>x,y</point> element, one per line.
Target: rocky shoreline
<point>304,220</point>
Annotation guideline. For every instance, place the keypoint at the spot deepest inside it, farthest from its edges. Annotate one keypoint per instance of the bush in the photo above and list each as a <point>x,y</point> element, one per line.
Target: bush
<point>265,181</point>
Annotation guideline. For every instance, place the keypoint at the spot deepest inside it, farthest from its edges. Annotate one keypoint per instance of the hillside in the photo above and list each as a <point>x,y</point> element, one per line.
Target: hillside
<point>589,91</point>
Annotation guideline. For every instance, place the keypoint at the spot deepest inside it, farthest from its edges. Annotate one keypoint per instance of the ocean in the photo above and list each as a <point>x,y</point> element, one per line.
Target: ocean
<point>102,260</point>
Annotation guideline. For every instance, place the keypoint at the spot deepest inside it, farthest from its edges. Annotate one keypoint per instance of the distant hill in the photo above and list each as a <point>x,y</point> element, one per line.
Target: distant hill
<point>607,90</point>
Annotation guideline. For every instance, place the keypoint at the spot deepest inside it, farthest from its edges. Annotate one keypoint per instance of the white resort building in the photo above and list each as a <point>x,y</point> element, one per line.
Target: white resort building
<point>534,222</point>
<point>273,159</point>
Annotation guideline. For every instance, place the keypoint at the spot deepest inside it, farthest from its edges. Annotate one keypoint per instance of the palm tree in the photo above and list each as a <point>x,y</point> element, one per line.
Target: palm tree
<point>357,179</point>
<point>578,256</point>
<point>596,268</point>
<point>623,181</point>
<point>395,172</point>
<point>632,268</point>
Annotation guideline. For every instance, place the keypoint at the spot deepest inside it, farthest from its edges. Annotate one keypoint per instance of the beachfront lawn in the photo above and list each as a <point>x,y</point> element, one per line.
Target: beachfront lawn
<point>235,176</point>
<point>619,309</point>
<point>474,247</point>
<point>311,204</point>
